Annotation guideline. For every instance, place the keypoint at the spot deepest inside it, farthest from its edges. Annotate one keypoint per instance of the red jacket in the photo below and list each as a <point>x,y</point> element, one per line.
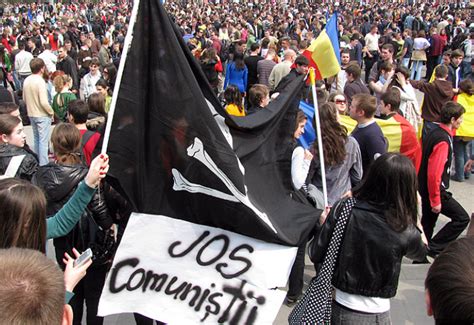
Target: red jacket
<point>436,165</point>
<point>7,45</point>
<point>437,45</point>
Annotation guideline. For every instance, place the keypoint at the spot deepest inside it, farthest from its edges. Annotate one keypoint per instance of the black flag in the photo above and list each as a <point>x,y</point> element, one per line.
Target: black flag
<point>173,155</point>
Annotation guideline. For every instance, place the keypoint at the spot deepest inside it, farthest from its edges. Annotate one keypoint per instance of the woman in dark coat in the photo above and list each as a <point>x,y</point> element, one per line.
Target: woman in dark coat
<point>58,180</point>
<point>13,144</point>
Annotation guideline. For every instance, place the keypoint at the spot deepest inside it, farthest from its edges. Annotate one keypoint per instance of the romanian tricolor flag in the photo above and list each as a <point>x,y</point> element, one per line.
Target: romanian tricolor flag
<point>323,53</point>
<point>399,133</point>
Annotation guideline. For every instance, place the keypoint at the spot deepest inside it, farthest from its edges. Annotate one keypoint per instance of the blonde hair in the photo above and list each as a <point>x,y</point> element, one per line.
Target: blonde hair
<point>61,81</point>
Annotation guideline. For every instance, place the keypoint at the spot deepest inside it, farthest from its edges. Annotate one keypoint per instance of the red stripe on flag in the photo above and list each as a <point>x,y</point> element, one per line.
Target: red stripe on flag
<point>313,64</point>
<point>410,146</point>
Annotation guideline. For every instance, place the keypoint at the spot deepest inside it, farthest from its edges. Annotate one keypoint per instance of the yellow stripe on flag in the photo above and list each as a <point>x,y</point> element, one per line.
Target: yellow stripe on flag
<point>324,56</point>
<point>392,131</point>
<point>390,128</point>
<point>349,123</point>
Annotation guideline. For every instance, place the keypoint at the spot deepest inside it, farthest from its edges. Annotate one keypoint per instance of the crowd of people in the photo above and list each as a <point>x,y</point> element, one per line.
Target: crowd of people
<point>58,66</point>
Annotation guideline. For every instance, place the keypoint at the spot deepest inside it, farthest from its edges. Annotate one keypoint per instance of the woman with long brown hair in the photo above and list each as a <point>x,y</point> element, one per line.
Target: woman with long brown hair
<point>342,156</point>
<point>97,116</point>
<point>374,230</point>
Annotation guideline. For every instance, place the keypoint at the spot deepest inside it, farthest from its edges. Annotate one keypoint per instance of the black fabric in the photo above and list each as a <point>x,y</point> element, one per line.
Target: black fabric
<point>435,136</point>
<point>59,183</point>
<point>88,291</point>
<point>251,63</point>
<point>7,96</point>
<point>371,254</point>
<point>295,281</point>
<point>451,209</point>
<point>209,69</point>
<point>161,110</point>
<point>69,66</point>
<point>315,306</point>
<point>28,166</point>
<point>286,81</point>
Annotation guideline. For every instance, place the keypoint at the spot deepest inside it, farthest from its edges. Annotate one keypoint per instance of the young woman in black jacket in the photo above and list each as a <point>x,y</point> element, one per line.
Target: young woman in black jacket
<point>381,230</point>
<point>13,144</point>
<point>59,180</point>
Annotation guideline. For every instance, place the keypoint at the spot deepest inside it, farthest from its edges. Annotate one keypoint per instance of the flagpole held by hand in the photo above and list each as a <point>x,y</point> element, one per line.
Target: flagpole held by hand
<point>318,135</point>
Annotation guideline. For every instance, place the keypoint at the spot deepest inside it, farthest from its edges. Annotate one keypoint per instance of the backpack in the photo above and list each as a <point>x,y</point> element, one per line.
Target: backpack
<point>85,138</point>
<point>226,49</point>
<point>100,241</point>
<point>416,25</point>
<point>209,69</point>
<point>458,43</point>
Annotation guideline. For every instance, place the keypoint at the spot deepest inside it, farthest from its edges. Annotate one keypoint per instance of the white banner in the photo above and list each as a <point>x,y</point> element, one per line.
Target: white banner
<point>183,273</point>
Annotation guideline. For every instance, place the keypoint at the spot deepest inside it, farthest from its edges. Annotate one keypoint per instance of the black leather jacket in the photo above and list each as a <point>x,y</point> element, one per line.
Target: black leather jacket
<point>28,166</point>
<point>59,183</point>
<point>371,253</point>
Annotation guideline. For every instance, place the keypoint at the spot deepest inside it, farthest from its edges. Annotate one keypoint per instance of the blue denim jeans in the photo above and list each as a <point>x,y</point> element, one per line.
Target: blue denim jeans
<point>460,158</point>
<point>416,68</point>
<point>41,127</point>
<point>16,80</point>
<point>21,79</point>
<point>406,62</point>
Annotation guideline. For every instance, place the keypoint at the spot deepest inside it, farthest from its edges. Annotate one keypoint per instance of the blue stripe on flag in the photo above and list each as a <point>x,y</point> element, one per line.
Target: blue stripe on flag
<point>331,31</point>
<point>309,133</point>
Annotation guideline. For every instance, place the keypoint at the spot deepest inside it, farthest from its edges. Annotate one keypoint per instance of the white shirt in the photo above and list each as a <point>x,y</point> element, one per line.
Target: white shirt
<point>299,167</point>
<point>22,62</point>
<point>340,81</point>
<point>49,60</point>
<point>420,43</point>
<point>363,303</point>
<point>88,85</point>
<point>372,42</point>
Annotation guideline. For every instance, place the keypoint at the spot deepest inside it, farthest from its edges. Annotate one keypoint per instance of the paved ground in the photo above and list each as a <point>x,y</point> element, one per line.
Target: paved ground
<point>406,308</point>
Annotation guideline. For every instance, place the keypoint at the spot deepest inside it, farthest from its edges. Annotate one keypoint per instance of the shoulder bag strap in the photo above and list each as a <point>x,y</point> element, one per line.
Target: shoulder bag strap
<point>13,166</point>
<point>315,306</point>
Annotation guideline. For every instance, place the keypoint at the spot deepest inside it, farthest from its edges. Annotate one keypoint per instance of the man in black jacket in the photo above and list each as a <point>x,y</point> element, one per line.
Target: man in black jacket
<point>69,66</point>
<point>433,180</point>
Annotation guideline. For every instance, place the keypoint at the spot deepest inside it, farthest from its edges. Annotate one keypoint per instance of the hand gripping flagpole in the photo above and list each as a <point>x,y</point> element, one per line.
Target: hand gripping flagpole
<point>318,136</point>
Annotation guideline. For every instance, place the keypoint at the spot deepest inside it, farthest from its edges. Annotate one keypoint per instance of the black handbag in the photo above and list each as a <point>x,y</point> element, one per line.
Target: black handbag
<point>100,241</point>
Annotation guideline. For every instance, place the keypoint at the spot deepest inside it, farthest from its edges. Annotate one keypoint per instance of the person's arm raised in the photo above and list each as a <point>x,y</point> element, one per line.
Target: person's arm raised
<point>65,219</point>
